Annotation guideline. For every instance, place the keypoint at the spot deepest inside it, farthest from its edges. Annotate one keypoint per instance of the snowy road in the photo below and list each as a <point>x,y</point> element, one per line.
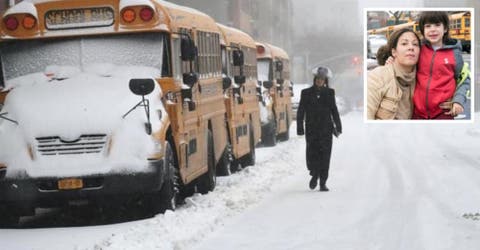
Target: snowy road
<point>393,186</point>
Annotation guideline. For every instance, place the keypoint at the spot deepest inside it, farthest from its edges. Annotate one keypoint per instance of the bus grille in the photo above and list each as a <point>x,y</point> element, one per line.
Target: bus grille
<point>85,144</point>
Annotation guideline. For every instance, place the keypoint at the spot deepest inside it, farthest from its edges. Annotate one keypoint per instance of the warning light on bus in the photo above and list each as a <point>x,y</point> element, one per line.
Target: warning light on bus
<point>128,15</point>
<point>260,49</point>
<point>146,14</point>
<point>11,23</point>
<point>29,22</point>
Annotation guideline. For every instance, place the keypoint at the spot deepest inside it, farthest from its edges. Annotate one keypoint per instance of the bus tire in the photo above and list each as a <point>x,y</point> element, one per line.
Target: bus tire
<point>208,181</point>
<point>224,167</point>
<point>269,137</point>
<point>169,193</point>
<point>236,165</point>
<point>286,135</point>
<point>8,218</point>
<point>249,159</point>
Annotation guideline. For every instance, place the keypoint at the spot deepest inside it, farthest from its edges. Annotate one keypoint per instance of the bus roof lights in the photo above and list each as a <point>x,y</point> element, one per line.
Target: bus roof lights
<point>11,23</point>
<point>29,22</point>
<point>128,15</point>
<point>260,49</point>
<point>146,14</point>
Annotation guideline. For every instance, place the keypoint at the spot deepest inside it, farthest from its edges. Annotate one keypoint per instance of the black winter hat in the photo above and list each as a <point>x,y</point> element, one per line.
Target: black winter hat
<point>322,72</point>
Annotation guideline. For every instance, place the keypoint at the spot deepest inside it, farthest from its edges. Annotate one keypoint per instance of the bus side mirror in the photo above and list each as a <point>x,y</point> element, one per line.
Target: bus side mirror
<point>187,96</point>
<point>239,79</point>
<point>267,84</point>
<point>279,66</point>
<point>238,59</point>
<point>141,86</point>
<point>259,94</point>
<point>188,49</point>
<point>227,82</point>
<point>190,79</point>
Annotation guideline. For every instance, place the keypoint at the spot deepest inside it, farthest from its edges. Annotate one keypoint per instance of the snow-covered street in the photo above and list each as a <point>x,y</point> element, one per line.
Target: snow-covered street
<point>392,186</point>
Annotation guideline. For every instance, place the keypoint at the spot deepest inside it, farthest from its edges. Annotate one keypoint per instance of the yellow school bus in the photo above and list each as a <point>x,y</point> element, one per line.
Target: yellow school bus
<point>239,66</point>
<point>460,28</point>
<point>108,98</point>
<point>274,74</point>
<point>388,30</point>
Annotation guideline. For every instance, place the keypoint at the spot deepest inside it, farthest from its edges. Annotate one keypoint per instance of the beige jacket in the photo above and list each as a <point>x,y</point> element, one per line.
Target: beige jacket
<point>389,93</point>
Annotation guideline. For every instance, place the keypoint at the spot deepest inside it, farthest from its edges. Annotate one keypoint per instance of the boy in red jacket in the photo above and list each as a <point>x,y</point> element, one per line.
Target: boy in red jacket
<point>440,92</point>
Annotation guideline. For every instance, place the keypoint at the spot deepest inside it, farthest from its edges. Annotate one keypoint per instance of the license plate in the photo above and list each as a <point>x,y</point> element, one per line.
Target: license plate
<point>79,18</point>
<point>67,184</point>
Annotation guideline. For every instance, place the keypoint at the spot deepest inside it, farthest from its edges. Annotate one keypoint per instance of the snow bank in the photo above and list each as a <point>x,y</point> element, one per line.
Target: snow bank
<point>203,214</point>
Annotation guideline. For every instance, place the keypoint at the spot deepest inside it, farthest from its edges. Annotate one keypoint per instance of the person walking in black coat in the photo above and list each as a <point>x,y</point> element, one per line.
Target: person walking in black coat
<point>319,108</point>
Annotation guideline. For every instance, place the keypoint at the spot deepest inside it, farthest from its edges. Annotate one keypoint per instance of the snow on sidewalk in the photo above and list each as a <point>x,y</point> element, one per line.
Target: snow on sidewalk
<point>204,214</point>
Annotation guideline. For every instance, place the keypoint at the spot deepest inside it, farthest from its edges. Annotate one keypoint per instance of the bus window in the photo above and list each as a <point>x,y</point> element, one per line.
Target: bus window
<point>225,64</point>
<point>264,71</point>
<point>24,57</point>
<point>177,61</point>
<point>166,67</point>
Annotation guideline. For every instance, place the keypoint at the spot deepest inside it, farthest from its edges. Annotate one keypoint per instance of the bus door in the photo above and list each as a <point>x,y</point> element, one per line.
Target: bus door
<point>184,57</point>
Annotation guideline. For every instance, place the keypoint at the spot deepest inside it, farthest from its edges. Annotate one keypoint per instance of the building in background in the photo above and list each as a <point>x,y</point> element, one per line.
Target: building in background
<point>377,19</point>
<point>265,20</point>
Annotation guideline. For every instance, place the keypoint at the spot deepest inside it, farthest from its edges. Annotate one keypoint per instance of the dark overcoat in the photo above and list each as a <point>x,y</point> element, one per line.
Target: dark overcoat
<point>318,109</point>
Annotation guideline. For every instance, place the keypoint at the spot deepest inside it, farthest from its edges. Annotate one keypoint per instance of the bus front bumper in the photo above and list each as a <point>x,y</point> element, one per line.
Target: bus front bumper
<point>53,191</point>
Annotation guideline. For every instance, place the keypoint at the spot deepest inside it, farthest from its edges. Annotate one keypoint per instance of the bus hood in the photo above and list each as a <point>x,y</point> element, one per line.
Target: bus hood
<point>85,104</point>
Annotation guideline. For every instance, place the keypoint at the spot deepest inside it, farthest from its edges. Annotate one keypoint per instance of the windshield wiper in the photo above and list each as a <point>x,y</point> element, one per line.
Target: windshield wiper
<point>2,115</point>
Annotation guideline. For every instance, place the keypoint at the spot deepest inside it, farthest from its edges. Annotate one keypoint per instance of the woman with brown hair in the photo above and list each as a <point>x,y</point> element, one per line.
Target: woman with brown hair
<point>390,87</point>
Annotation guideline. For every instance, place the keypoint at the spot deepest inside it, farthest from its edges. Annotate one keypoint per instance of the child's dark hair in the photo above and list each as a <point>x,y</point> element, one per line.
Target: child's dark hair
<point>434,17</point>
<point>382,54</point>
<point>386,50</point>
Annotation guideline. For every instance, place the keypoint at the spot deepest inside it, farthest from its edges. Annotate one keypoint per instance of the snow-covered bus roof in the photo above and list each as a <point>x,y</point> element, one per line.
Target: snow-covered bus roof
<point>232,35</point>
<point>271,51</point>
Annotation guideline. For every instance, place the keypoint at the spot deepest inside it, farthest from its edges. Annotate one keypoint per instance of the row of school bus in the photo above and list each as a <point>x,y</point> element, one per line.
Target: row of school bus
<point>460,28</point>
<point>220,94</point>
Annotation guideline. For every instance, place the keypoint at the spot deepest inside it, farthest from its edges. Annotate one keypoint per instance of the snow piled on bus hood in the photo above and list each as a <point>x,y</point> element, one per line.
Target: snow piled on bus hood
<point>88,102</point>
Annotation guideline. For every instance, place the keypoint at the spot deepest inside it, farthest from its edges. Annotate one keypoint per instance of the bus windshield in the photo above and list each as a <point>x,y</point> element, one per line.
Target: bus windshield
<point>264,71</point>
<point>24,57</point>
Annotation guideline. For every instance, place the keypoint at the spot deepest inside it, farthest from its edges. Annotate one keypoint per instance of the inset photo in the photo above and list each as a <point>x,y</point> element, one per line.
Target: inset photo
<point>419,64</point>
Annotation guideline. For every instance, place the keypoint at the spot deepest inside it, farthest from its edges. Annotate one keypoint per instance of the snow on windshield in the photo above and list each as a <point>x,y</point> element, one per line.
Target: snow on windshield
<point>79,87</point>
<point>21,58</point>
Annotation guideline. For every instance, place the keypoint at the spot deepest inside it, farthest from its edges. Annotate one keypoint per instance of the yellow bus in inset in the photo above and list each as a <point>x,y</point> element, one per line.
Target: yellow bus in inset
<point>460,28</point>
